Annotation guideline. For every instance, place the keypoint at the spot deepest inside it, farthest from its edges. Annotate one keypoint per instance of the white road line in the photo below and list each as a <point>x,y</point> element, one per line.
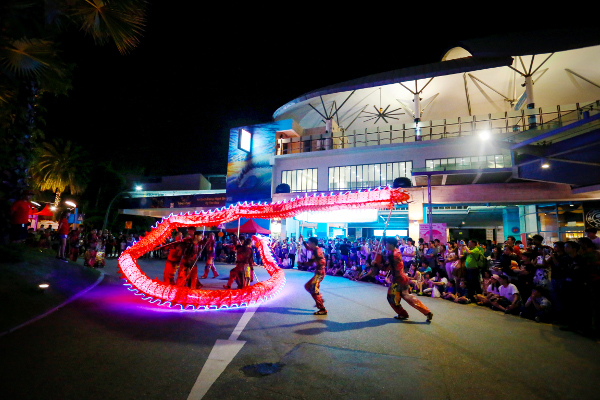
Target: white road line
<point>64,303</point>
<point>220,356</point>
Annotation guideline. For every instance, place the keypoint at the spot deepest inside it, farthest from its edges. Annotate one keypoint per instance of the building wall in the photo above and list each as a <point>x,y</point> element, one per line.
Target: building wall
<point>415,152</point>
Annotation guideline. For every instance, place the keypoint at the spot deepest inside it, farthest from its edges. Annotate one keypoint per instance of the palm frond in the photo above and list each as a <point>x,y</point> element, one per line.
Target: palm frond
<point>29,58</point>
<point>58,166</point>
<point>119,20</point>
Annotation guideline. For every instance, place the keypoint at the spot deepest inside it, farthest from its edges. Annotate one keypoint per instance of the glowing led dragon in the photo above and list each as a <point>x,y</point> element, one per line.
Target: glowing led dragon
<point>164,294</point>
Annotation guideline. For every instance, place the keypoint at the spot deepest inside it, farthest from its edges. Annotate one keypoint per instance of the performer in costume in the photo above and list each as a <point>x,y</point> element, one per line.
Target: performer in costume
<point>249,267</point>
<point>313,285</point>
<point>398,290</point>
<point>188,271</point>
<point>173,259</point>
<point>211,247</point>
<point>244,257</point>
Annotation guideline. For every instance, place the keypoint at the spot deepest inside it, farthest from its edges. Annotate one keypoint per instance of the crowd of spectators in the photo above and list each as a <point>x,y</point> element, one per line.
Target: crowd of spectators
<point>546,283</point>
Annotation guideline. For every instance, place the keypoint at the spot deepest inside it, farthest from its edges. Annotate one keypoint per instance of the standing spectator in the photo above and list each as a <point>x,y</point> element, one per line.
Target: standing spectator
<point>74,243</point>
<point>451,259</point>
<point>591,234</point>
<point>511,241</point>
<point>63,232</point>
<point>19,217</point>
<point>408,255</point>
<point>292,252</point>
<point>473,263</point>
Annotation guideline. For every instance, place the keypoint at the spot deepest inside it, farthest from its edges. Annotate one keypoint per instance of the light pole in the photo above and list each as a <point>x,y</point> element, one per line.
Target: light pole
<point>138,188</point>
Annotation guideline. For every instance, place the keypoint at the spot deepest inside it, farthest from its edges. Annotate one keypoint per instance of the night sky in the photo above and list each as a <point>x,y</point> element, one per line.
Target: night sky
<point>168,106</point>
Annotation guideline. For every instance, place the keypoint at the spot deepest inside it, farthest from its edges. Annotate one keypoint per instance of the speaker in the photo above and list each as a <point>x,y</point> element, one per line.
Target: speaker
<point>401,183</point>
<point>283,188</point>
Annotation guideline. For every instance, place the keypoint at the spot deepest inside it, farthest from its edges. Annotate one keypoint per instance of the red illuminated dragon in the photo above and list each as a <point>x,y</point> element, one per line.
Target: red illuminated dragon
<point>164,294</point>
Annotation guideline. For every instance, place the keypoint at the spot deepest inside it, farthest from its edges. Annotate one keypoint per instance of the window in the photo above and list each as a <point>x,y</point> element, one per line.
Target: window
<point>245,143</point>
<point>355,177</point>
<point>300,180</point>
<point>476,162</point>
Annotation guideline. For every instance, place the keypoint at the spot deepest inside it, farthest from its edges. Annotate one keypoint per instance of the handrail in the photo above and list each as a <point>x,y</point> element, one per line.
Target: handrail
<point>498,123</point>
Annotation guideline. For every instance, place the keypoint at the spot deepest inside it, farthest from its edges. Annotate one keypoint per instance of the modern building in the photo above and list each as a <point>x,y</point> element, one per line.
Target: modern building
<point>502,134</point>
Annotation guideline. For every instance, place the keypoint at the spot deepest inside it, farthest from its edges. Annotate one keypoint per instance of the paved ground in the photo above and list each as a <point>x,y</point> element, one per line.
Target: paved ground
<point>110,344</point>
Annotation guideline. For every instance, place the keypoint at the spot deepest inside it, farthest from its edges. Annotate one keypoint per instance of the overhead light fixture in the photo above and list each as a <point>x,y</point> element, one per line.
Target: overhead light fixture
<point>70,204</point>
<point>43,286</point>
<point>138,188</point>
<point>35,203</point>
<point>53,208</point>
<point>484,135</point>
<point>545,163</point>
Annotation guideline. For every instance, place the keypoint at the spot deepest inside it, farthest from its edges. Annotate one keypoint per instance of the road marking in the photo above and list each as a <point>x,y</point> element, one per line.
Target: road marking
<point>222,353</point>
<point>64,303</point>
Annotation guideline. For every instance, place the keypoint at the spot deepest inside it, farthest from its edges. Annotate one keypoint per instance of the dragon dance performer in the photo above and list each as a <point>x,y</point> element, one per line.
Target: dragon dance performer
<point>249,267</point>
<point>313,285</point>
<point>188,272</point>
<point>244,257</point>
<point>173,259</point>
<point>398,290</point>
<point>211,248</point>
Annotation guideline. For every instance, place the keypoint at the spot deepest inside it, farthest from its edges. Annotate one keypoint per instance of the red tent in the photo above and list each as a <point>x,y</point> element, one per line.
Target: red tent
<point>250,227</point>
<point>46,212</point>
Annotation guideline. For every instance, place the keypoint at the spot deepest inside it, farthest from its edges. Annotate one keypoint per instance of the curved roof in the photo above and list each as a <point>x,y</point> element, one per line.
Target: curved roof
<point>569,72</point>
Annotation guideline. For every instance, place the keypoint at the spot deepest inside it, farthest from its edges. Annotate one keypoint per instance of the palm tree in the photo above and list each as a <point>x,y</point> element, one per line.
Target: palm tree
<point>59,166</point>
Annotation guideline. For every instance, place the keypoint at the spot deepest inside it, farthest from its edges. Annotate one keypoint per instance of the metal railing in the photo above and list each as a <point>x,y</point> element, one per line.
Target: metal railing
<point>541,118</point>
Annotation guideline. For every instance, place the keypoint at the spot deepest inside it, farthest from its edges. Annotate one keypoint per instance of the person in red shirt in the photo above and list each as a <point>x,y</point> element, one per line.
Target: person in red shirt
<point>63,232</point>
<point>398,290</point>
<point>313,285</point>
<point>19,217</point>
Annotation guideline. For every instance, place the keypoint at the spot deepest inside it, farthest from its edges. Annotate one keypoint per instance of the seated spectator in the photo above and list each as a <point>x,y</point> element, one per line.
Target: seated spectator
<point>222,256</point>
<point>285,263</point>
<point>509,299</point>
<point>436,285</point>
<point>449,291</point>
<point>460,295</point>
<point>382,278</point>
<point>490,293</point>
<point>537,306</point>
<point>485,280</point>
<point>526,273</point>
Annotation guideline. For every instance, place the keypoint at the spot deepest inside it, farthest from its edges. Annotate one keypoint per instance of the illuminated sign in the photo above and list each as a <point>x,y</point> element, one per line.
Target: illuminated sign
<point>366,215</point>
<point>245,141</point>
<point>391,232</point>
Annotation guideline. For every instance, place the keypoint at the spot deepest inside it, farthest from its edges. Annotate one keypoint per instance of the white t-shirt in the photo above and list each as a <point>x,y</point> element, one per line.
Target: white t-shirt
<point>409,253</point>
<point>508,292</point>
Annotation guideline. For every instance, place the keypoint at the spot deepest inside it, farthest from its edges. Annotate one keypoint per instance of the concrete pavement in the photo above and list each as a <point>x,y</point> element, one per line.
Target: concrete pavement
<point>110,344</point>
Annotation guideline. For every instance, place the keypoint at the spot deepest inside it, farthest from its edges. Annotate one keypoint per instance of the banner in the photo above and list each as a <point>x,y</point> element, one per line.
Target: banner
<point>439,232</point>
<point>249,173</point>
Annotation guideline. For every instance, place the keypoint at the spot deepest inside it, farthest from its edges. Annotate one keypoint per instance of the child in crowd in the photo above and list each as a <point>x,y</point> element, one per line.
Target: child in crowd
<point>490,293</point>
<point>449,292</point>
<point>286,261</point>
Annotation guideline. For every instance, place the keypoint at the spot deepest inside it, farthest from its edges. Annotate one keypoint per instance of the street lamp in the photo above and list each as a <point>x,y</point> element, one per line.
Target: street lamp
<point>71,204</point>
<point>137,188</point>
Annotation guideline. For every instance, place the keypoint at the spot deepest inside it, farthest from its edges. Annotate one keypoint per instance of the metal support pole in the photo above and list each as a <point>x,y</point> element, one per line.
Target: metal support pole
<point>239,221</point>
<point>429,209</point>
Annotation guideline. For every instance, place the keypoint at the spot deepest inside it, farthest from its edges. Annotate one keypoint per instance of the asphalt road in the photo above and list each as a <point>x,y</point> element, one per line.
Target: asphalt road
<point>110,344</point>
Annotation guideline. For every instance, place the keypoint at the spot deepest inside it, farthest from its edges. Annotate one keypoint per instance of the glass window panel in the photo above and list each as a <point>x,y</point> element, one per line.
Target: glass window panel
<point>348,177</point>
<point>330,178</point>
<point>371,175</point>
<point>396,173</point>
<point>342,178</point>
<point>293,180</point>
<point>429,164</point>
<point>383,169</point>
<point>353,177</point>
<point>390,172</point>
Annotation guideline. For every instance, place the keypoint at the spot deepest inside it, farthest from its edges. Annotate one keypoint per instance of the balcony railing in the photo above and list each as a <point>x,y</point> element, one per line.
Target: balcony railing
<point>542,118</point>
